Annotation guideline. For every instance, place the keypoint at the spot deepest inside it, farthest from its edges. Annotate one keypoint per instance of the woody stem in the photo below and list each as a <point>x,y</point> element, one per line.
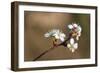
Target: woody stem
<point>52,48</point>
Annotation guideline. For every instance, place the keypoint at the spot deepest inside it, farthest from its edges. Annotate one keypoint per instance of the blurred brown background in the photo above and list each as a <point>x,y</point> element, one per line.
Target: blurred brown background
<point>38,23</point>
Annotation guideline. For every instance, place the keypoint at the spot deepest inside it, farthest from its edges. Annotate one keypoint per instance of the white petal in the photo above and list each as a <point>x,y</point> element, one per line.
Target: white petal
<point>70,26</point>
<point>62,39</point>
<point>72,41</point>
<point>50,32</point>
<point>47,35</point>
<point>68,45</point>
<point>79,28</point>
<point>73,50</point>
<point>62,35</point>
<point>54,31</point>
<point>79,34</point>
<point>77,37</point>
<point>75,45</point>
<point>56,36</point>
<point>75,25</point>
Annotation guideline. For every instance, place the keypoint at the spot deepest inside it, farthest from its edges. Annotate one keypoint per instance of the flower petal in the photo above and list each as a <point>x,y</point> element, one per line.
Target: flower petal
<point>77,37</point>
<point>56,36</point>
<point>70,26</point>
<point>62,39</point>
<point>79,28</point>
<point>72,41</point>
<point>68,45</point>
<point>62,35</point>
<point>73,50</point>
<point>75,25</point>
<point>79,34</point>
<point>54,31</point>
<point>75,45</point>
<point>47,35</point>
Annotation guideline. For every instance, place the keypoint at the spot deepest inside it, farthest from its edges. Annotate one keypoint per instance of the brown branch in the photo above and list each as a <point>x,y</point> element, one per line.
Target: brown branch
<point>44,53</point>
<point>63,44</point>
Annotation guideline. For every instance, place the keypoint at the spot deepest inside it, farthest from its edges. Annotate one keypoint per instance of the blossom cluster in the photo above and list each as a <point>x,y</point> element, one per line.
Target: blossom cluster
<point>75,32</point>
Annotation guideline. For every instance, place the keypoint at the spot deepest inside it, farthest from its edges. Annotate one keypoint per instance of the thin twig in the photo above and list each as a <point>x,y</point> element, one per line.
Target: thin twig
<point>44,53</point>
<point>63,44</point>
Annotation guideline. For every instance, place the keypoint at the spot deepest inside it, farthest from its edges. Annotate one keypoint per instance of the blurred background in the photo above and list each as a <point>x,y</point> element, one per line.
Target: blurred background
<point>38,23</point>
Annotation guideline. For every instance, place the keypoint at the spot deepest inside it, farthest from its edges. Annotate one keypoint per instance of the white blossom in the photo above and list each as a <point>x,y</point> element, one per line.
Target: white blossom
<point>71,26</point>
<point>56,33</point>
<point>72,45</point>
<point>76,28</point>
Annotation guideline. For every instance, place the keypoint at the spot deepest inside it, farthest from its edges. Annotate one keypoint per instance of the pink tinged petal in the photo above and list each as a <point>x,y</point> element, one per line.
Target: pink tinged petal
<point>75,25</point>
<point>72,41</point>
<point>79,34</point>
<point>73,50</point>
<point>75,45</point>
<point>70,26</point>
<point>62,39</point>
